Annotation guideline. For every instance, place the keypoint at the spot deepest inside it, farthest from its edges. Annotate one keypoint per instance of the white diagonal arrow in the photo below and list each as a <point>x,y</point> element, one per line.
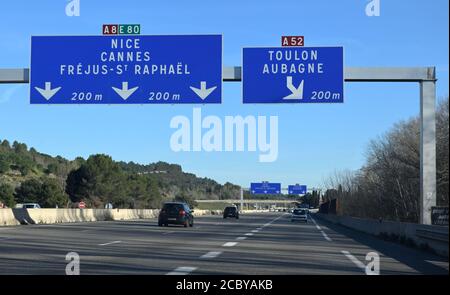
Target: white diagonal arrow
<point>125,92</point>
<point>297,93</point>
<point>203,92</point>
<point>47,92</point>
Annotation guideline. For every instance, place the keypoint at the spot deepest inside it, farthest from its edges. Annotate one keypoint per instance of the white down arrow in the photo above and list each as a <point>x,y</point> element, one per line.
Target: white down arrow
<point>203,92</point>
<point>47,92</point>
<point>125,92</point>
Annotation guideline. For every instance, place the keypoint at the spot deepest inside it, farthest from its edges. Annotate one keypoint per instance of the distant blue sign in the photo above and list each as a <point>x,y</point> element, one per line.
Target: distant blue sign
<point>293,75</point>
<point>265,188</point>
<point>297,189</point>
<point>126,69</point>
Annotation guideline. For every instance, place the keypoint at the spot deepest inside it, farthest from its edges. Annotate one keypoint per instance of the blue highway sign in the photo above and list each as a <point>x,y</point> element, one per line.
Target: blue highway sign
<point>265,188</point>
<point>297,189</point>
<point>122,69</point>
<point>293,75</point>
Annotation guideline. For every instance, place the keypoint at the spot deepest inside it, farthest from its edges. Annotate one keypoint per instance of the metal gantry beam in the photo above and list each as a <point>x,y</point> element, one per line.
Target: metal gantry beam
<point>234,74</point>
<point>425,76</point>
<point>10,76</point>
<point>361,74</point>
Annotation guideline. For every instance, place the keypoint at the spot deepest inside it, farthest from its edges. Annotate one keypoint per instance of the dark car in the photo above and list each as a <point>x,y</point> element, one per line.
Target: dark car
<point>231,212</point>
<point>176,213</point>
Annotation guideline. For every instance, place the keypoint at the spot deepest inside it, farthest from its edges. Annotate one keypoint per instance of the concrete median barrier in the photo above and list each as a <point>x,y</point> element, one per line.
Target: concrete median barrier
<point>7,217</point>
<point>49,216</point>
<point>19,216</point>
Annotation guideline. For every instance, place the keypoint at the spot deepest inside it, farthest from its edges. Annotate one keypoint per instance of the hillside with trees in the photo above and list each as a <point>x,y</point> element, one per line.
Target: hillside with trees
<point>29,176</point>
<point>388,185</point>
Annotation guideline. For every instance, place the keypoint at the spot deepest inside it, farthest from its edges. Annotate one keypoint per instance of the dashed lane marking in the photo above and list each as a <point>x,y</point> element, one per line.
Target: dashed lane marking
<point>211,254</point>
<point>110,243</point>
<point>229,244</point>
<point>326,236</point>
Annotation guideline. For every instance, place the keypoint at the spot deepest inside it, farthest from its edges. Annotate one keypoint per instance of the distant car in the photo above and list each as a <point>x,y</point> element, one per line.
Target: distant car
<point>176,213</point>
<point>304,206</point>
<point>28,206</point>
<point>231,212</point>
<point>299,215</point>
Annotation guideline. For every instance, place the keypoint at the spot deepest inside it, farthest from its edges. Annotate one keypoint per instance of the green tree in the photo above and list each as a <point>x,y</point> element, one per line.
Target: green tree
<point>79,184</point>
<point>7,194</point>
<point>99,180</point>
<point>29,191</point>
<point>5,144</point>
<point>52,168</point>
<point>4,164</point>
<point>154,197</point>
<point>51,194</point>
<point>19,147</point>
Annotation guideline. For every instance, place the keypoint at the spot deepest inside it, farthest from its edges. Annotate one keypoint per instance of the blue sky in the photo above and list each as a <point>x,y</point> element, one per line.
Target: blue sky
<point>314,140</point>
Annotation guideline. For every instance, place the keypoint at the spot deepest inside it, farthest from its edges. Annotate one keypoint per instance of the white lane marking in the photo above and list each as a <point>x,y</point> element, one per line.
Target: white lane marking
<point>229,244</point>
<point>259,228</point>
<point>255,231</point>
<point>315,223</point>
<point>241,238</point>
<point>110,243</point>
<point>168,232</point>
<point>211,254</point>
<point>321,231</point>
<point>249,234</point>
<point>354,260</point>
<point>326,236</point>
<point>183,270</point>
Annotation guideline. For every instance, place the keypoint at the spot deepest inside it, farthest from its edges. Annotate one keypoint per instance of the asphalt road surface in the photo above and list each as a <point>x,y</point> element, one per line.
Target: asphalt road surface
<point>260,243</point>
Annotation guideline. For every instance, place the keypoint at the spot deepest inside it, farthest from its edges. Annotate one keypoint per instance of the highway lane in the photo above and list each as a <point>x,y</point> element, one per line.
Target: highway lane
<point>260,243</point>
